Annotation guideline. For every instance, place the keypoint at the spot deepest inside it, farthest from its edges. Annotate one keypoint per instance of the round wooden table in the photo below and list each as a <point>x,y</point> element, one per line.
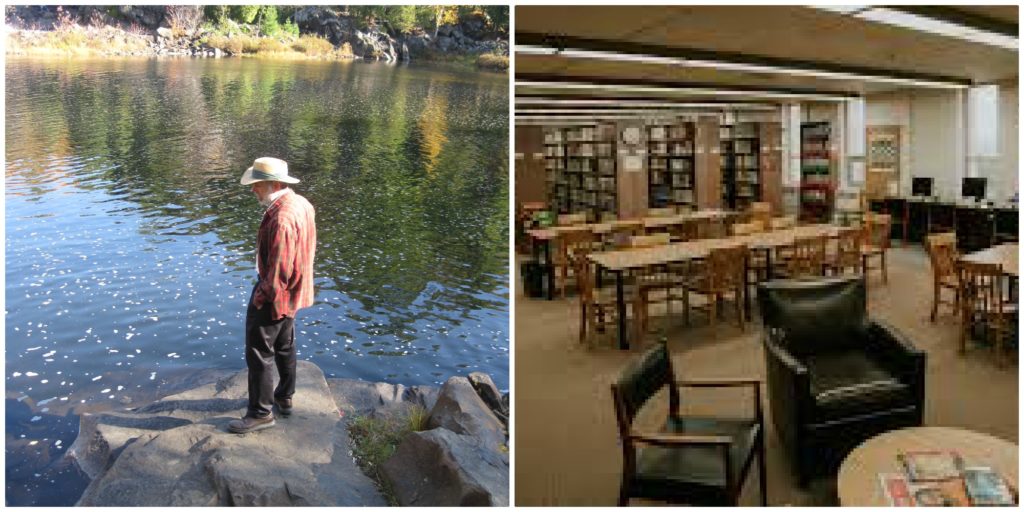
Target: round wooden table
<point>858,476</point>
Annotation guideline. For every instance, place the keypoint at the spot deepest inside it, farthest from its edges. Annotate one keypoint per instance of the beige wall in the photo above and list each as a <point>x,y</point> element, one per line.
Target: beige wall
<point>932,135</point>
<point>1006,178</point>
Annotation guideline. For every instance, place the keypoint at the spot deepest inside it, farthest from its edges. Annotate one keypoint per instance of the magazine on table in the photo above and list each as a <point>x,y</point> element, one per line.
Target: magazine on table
<point>903,492</point>
<point>931,466</point>
<point>986,488</point>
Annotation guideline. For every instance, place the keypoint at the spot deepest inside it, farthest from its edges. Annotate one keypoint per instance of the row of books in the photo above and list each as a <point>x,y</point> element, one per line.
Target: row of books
<point>940,479</point>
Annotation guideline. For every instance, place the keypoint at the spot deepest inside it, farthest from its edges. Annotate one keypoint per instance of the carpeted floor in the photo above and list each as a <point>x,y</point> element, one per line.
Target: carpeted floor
<point>565,437</point>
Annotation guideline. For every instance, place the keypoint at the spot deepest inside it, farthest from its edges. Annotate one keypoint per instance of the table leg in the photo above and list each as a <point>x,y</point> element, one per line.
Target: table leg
<point>620,304</point>
<point>551,269</point>
<point>746,286</point>
<point>768,261</point>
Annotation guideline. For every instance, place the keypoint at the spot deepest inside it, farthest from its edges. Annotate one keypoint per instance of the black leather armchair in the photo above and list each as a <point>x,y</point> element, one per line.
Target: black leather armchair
<point>835,377</point>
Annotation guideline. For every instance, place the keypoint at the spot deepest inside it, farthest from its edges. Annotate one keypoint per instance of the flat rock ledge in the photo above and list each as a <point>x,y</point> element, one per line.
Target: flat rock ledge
<point>177,451</point>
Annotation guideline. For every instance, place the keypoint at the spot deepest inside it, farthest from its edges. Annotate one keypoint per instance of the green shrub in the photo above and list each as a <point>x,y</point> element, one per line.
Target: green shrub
<point>244,13</point>
<point>290,28</point>
<point>268,21</point>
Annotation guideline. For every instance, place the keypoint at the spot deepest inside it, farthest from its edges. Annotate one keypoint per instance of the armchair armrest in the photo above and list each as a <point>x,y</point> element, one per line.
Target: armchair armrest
<point>789,389</point>
<point>899,353</point>
<point>717,383</point>
<point>679,439</point>
<point>895,349</point>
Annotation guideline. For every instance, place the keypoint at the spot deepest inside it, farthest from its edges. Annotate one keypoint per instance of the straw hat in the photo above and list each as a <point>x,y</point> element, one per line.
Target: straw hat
<point>267,169</point>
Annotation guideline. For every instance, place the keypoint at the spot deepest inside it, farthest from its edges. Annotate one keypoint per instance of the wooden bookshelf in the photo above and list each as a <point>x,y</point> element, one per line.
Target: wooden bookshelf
<point>817,180</point>
<point>671,176</point>
<point>741,164</point>
<point>586,182</point>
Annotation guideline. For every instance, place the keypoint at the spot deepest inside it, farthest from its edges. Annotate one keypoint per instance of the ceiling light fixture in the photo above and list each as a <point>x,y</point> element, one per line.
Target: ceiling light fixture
<point>902,19</point>
<point>574,53</point>
<point>633,103</point>
<point>676,91</point>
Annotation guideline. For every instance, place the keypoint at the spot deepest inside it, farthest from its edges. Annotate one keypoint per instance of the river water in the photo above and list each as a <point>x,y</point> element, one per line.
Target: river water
<point>129,241</point>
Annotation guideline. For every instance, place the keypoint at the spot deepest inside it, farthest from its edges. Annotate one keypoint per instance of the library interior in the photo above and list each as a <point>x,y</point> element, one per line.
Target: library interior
<point>766,255</point>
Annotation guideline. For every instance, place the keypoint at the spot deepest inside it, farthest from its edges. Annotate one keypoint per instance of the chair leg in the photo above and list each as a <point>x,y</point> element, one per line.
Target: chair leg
<point>583,322</point>
<point>935,300</point>
<point>739,307</point>
<point>885,270</point>
<point>686,307</point>
<point>762,470</point>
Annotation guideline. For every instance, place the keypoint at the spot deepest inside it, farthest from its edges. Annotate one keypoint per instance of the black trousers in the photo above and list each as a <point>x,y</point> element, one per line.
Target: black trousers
<point>268,343</point>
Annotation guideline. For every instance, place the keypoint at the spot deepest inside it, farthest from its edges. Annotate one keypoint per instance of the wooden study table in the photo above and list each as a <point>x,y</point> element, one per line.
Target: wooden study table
<point>546,235</point>
<point>619,261</point>
<point>859,483</point>
<point>1005,255</point>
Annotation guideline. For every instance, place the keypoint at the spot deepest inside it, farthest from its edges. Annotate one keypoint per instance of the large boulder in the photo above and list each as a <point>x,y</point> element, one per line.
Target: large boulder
<point>462,411</point>
<point>488,392</point>
<point>442,468</point>
<point>380,399</point>
<point>177,451</point>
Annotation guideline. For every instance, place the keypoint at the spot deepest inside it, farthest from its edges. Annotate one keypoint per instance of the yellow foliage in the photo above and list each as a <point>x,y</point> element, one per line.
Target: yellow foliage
<point>312,45</point>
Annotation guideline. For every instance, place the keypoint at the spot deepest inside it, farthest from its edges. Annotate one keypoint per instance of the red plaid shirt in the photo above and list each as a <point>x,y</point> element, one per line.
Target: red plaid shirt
<point>285,249</point>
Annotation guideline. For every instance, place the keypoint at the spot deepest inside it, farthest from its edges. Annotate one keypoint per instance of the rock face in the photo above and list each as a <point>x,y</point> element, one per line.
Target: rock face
<point>469,37</point>
<point>461,460</point>
<point>177,451</point>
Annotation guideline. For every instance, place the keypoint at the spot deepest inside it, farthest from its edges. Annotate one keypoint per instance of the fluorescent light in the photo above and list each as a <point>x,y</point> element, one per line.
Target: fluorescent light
<point>902,19</point>
<point>935,26</point>
<point>635,103</point>
<point>676,91</point>
<point>730,66</point>
<point>650,112</point>
<point>842,9</point>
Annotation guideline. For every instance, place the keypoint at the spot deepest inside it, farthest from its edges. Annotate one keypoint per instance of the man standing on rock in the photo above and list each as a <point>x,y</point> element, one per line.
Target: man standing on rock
<point>285,248</point>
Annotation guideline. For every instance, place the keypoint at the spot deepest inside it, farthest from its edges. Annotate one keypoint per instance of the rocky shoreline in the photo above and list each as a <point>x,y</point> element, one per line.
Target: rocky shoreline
<point>177,451</point>
<point>145,31</point>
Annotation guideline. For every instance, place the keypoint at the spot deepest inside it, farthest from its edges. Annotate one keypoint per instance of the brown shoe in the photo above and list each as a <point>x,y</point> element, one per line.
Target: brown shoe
<point>284,406</point>
<point>249,424</point>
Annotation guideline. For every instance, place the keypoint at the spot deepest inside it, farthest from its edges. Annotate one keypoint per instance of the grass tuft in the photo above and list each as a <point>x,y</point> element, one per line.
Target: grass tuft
<point>492,61</point>
<point>374,440</point>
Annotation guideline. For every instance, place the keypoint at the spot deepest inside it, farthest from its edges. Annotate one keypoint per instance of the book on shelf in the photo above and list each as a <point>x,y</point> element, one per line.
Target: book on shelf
<point>934,465</point>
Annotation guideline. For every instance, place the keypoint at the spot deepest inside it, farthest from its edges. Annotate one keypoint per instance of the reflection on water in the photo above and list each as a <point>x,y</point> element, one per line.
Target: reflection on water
<point>130,242</point>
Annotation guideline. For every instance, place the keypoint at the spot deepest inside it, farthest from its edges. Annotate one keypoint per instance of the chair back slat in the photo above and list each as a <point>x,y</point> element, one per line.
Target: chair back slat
<point>943,254</point>
<point>571,219</point>
<point>848,249</point>
<point>725,268</point>
<point>808,256</point>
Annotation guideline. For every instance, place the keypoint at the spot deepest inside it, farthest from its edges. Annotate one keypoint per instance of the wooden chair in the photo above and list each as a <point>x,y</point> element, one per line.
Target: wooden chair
<point>648,281</point>
<point>943,255</point>
<point>661,212</point>
<point>697,461</point>
<point>846,254</point>
<point>807,258</point>
<point>684,231</point>
<point>619,236</point>
<point>572,244</point>
<point>761,211</point>
<point>875,242</point>
<point>572,219</point>
<point>786,222</point>
<point>597,306</point>
<point>747,228</point>
<point>983,306</point>
<point>722,273</point>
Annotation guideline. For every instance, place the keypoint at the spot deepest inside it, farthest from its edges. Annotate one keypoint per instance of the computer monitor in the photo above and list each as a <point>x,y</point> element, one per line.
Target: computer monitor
<point>921,187</point>
<point>973,187</point>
